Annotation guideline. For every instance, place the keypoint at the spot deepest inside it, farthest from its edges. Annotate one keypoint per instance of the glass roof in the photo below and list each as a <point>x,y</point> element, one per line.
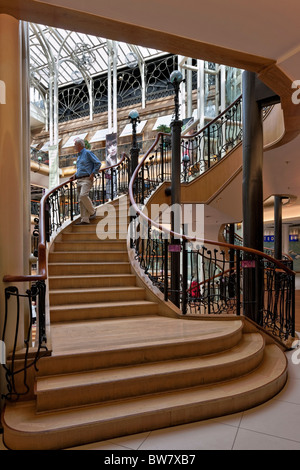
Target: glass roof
<point>77,54</point>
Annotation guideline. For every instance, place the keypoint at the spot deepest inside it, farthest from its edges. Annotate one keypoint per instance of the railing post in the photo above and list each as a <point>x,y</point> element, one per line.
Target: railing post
<point>134,151</point>
<point>184,275</point>
<point>162,157</point>
<point>103,186</point>
<point>257,289</point>
<point>208,284</point>
<point>71,200</point>
<point>128,172</point>
<point>293,332</point>
<point>41,311</point>
<point>176,78</point>
<point>143,185</point>
<point>231,262</point>
<point>47,221</point>
<point>111,184</point>
<point>238,282</point>
<point>208,146</point>
<point>166,268</point>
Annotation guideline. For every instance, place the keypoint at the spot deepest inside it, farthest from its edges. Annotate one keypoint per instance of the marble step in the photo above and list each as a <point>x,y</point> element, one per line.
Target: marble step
<point>71,390</point>
<point>90,245</point>
<point>96,294</point>
<point>103,310</point>
<point>85,256</point>
<point>122,341</point>
<point>95,280</point>
<point>88,267</point>
<point>25,429</point>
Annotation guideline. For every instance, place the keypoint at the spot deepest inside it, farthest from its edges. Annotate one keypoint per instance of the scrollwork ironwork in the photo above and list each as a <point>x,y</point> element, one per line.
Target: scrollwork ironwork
<point>18,365</point>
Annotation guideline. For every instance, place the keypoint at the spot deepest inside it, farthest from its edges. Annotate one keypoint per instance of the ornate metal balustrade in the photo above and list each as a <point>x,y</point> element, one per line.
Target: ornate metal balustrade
<point>62,204</point>
<point>238,240</point>
<point>56,207</point>
<point>35,339</point>
<point>215,277</point>
<point>201,150</point>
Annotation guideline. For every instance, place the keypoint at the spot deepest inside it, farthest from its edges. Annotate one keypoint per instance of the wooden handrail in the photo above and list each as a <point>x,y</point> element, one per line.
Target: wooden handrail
<point>42,252</point>
<point>151,222</point>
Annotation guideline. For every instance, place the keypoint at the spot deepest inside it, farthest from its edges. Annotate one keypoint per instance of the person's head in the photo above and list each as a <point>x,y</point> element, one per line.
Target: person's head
<point>79,144</point>
<point>112,149</point>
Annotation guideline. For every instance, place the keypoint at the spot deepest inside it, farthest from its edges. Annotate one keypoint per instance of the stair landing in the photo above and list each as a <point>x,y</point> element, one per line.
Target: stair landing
<point>151,331</point>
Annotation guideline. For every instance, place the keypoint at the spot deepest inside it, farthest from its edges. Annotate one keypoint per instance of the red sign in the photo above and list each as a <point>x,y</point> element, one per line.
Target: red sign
<point>248,264</point>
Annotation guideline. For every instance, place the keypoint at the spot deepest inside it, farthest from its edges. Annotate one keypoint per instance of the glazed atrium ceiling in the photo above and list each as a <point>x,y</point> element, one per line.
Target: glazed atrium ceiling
<point>78,54</point>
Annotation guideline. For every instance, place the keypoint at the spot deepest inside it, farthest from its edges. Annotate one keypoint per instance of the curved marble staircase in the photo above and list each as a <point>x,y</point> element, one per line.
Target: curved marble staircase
<point>119,367</point>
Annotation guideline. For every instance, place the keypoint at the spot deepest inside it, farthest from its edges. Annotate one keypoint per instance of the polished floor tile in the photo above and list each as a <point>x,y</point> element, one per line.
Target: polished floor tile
<point>251,440</point>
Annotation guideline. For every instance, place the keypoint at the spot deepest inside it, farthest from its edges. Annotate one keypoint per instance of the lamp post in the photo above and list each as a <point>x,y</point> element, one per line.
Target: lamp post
<point>176,79</point>
<point>134,151</point>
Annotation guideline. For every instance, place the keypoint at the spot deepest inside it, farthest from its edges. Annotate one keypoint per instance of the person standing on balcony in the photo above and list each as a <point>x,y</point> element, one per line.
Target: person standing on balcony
<point>87,166</point>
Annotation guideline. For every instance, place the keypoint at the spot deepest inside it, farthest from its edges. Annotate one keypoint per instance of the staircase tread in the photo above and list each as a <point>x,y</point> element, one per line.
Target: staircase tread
<point>84,263</point>
<point>82,232</point>
<point>87,232</point>
<point>80,276</point>
<point>28,422</point>
<point>119,334</point>
<point>95,289</point>
<point>61,242</point>
<point>87,252</point>
<point>250,345</point>
<point>114,303</point>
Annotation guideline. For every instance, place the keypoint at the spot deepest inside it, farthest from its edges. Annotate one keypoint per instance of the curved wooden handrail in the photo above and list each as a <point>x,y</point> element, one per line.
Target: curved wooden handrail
<point>151,222</point>
<point>42,252</point>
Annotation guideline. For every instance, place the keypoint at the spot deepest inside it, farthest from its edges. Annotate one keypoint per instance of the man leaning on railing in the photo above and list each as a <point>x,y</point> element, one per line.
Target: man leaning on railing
<point>87,166</point>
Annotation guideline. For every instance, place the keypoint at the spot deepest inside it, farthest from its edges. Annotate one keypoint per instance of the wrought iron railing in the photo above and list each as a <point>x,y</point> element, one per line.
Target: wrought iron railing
<point>215,277</point>
<point>238,240</point>
<point>56,207</point>
<point>62,204</point>
<point>34,301</point>
<point>199,151</point>
<point>206,147</point>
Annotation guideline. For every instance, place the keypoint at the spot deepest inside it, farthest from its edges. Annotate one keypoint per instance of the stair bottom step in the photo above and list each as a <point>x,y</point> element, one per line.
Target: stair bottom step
<point>69,390</point>
<point>26,430</point>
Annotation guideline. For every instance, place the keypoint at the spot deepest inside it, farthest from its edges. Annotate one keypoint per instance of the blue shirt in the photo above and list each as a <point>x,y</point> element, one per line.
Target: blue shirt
<point>87,163</point>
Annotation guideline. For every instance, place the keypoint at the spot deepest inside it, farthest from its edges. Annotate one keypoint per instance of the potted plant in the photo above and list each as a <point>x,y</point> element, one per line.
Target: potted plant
<point>167,130</point>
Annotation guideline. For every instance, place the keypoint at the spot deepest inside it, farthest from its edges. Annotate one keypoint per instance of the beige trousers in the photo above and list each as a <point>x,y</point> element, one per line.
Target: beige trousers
<point>84,186</point>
